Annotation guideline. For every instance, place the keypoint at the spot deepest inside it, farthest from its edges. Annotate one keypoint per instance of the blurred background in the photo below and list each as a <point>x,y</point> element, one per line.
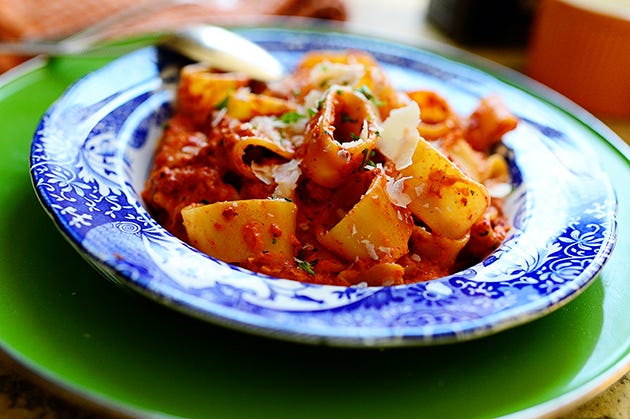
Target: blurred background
<point>580,48</point>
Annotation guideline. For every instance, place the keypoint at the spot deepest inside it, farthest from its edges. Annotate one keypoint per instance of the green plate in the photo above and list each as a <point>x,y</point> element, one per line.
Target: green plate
<point>67,324</point>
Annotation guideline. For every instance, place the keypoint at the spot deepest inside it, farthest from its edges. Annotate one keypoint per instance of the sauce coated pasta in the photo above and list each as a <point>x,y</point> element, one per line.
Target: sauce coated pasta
<point>331,175</point>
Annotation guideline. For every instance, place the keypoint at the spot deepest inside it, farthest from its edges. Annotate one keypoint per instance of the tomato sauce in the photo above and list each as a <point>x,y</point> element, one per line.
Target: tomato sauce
<point>197,162</point>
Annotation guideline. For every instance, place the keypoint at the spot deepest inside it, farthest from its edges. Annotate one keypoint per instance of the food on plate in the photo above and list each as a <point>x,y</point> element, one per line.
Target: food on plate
<point>331,175</point>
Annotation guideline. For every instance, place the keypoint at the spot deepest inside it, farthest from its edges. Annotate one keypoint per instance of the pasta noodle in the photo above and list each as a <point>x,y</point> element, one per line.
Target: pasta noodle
<point>331,175</point>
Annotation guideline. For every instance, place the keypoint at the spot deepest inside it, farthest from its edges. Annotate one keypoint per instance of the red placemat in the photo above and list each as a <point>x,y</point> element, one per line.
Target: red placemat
<point>53,19</point>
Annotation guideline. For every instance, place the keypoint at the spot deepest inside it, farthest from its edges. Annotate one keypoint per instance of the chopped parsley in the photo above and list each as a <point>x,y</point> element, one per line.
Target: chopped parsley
<point>280,198</point>
<point>367,158</point>
<point>365,91</point>
<point>291,117</point>
<point>354,136</point>
<point>306,266</point>
<point>223,104</point>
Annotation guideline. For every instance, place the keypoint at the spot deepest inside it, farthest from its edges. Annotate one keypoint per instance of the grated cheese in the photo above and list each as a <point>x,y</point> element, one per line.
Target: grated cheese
<point>269,127</point>
<point>328,73</point>
<point>369,246</point>
<point>385,250</point>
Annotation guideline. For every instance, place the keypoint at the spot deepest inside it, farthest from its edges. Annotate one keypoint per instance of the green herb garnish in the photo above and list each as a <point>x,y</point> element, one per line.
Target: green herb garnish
<point>367,156</point>
<point>291,117</point>
<point>280,198</point>
<point>306,266</point>
<point>365,91</point>
<point>223,104</point>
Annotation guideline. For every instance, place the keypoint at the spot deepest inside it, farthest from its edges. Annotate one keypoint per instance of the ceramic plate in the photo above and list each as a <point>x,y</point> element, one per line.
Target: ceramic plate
<point>92,151</point>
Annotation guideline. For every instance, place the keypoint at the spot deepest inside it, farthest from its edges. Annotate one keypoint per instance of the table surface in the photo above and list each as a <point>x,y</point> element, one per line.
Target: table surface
<point>24,396</point>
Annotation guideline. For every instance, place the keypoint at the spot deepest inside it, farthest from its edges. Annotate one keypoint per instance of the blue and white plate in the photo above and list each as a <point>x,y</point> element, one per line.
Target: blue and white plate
<point>92,152</point>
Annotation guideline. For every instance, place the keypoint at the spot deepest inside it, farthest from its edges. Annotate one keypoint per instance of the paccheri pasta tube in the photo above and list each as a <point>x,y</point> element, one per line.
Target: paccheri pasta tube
<point>331,175</point>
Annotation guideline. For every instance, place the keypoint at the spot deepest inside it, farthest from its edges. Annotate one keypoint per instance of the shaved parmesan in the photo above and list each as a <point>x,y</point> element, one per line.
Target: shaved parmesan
<point>262,172</point>
<point>394,189</point>
<point>328,73</point>
<point>286,176</point>
<point>399,135</point>
<point>499,190</point>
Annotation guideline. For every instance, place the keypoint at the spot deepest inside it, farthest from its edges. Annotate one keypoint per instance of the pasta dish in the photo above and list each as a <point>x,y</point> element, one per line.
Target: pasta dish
<point>331,175</point>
